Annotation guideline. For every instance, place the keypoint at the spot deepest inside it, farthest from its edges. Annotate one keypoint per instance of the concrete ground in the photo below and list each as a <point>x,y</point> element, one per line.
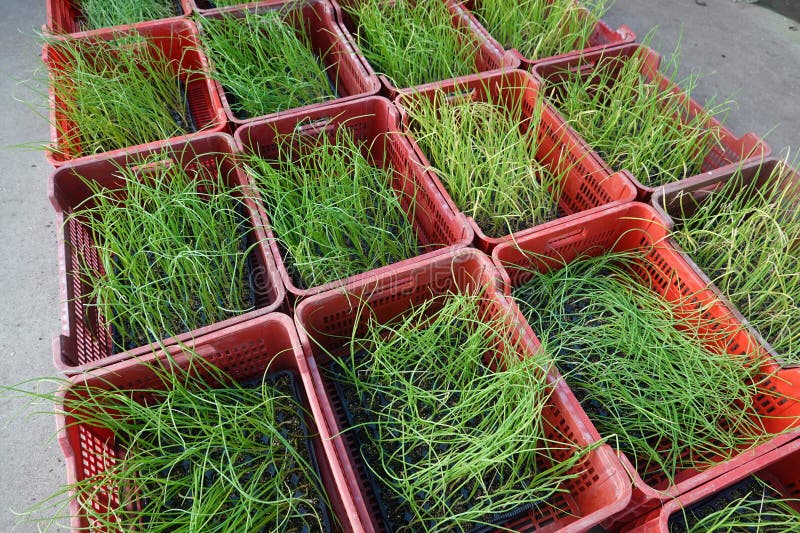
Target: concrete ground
<point>744,50</point>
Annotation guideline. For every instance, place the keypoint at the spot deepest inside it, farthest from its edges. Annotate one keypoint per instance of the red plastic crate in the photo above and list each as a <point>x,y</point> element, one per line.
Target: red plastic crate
<point>589,185</point>
<point>489,55</point>
<point>177,38</point>
<point>602,37</point>
<point>326,321</point>
<point>780,468</point>
<point>731,149</point>
<point>85,341</point>
<point>679,198</point>
<point>329,41</point>
<point>65,16</point>
<point>637,226</point>
<point>244,351</point>
<point>374,120</point>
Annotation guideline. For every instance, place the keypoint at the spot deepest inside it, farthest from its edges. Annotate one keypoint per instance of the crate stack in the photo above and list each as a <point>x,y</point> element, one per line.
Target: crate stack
<point>309,294</point>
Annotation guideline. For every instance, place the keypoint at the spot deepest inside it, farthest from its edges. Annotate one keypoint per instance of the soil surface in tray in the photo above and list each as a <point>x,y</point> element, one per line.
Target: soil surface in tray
<point>360,414</point>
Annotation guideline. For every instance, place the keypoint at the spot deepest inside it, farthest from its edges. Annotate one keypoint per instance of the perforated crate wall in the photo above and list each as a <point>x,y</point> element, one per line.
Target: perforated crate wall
<point>729,151</point>
<point>85,339</point>
<point>327,320</point>
<point>374,121</point>
<point>177,38</point>
<point>637,226</point>
<point>588,184</point>
<point>244,351</point>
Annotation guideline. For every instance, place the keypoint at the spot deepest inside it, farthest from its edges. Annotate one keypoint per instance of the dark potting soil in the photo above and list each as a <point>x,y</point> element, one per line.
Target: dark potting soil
<point>294,429</point>
<point>357,415</point>
<point>250,299</point>
<point>750,490</point>
<point>490,229</point>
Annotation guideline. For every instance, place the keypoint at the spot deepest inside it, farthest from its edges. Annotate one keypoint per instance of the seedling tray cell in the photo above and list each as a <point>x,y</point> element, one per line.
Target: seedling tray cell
<point>327,320</point>
<point>729,151</point>
<point>489,55</point>
<point>349,77</point>
<point>438,226</point>
<point>678,201</point>
<point>66,16</point>
<point>779,469</point>
<point>86,338</point>
<point>635,227</point>
<point>360,439</point>
<point>177,39</point>
<point>245,352</point>
<point>588,185</point>
<point>601,37</point>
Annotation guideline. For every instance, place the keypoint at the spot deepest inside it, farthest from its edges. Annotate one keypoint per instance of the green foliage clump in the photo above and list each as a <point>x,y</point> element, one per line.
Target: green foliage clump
<point>333,210</point>
<point>643,368</point>
<point>262,63</point>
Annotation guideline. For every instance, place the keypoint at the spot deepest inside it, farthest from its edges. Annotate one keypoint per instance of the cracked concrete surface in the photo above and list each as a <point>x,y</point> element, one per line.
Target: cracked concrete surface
<point>743,49</point>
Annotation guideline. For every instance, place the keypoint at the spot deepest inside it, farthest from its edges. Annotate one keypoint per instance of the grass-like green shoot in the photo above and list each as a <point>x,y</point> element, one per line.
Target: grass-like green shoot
<point>412,41</point>
<point>332,209</point>
<point>171,246</point>
<point>263,64</point>
<point>199,454</point>
<point>540,28</point>
<point>115,94</point>
<point>755,507</point>
<point>640,369</point>
<point>745,238</point>
<point>105,13</point>
<point>486,162</point>
<point>636,126</point>
<point>225,3</point>
<point>442,418</point>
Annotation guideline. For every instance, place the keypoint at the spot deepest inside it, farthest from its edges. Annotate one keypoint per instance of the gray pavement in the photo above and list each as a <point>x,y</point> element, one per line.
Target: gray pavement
<point>743,51</point>
<point>742,48</point>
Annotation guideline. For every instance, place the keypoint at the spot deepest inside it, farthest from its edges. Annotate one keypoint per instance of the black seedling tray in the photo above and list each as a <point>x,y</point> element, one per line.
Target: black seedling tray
<point>191,126</point>
<point>360,437</point>
<point>750,489</point>
<point>283,381</point>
